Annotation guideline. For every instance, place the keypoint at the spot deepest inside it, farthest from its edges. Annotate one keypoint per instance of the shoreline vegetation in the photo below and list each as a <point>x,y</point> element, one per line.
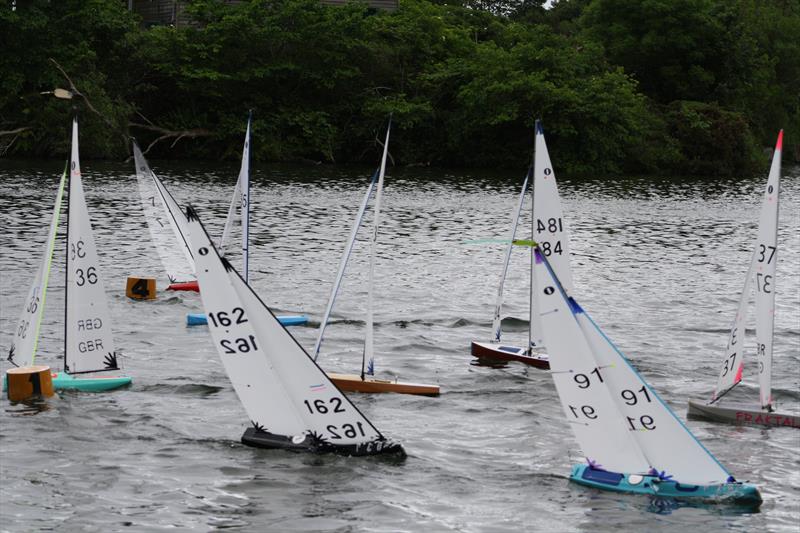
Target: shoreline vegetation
<point>681,87</point>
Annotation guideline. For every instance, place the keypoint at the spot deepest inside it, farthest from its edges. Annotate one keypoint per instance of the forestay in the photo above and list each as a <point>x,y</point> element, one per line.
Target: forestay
<point>369,350</point>
<point>164,228</point>
<point>766,259</point>
<point>241,199</point>
<point>89,343</point>
<point>343,262</point>
<point>605,398</point>
<point>26,335</point>
<point>280,386</point>
<point>497,321</point>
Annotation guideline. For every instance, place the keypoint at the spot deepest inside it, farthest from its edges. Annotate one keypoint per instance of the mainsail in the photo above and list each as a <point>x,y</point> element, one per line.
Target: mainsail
<point>89,343</point>
<point>281,387</point>
<point>343,263</point>
<point>606,399</point>
<point>766,259</point>
<point>165,229</point>
<point>241,199</point>
<point>369,351</point>
<point>26,335</point>
<point>497,320</point>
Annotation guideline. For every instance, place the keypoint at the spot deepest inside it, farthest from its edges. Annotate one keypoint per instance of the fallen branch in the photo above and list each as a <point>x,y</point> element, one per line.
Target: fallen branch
<point>16,133</point>
<point>170,134</point>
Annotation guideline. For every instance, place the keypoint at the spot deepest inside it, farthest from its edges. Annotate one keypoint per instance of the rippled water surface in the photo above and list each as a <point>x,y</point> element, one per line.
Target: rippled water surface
<point>659,264</point>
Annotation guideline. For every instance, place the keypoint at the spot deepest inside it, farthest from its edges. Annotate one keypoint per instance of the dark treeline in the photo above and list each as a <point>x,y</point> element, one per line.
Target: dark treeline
<point>655,87</point>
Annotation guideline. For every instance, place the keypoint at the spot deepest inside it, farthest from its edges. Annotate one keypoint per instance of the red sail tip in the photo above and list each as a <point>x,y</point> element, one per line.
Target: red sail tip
<point>779,144</point>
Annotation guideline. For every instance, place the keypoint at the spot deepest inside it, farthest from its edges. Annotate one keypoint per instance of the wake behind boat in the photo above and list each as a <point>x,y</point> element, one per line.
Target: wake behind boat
<point>291,403</point>
<point>549,230</point>
<point>631,439</point>
<point>760,273</point>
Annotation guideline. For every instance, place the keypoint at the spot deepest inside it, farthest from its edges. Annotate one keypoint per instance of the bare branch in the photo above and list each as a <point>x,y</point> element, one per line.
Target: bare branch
<point>15,131</point>
<point>170,134</point>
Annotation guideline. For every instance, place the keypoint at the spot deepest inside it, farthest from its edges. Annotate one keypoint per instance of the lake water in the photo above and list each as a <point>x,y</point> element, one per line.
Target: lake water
<point>659,264</point>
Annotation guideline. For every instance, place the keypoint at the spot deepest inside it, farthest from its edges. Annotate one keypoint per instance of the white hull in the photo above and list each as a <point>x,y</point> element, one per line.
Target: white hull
<point>742,414</point>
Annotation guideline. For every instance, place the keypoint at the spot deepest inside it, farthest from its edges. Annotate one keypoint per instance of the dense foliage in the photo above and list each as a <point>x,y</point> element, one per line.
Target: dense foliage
<point>653,86</point>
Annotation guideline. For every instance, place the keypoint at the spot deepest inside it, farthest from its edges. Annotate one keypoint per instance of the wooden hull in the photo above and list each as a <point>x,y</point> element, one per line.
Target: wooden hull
<point>740,414</point>
<point>354,383</point>
<point>503,352</point>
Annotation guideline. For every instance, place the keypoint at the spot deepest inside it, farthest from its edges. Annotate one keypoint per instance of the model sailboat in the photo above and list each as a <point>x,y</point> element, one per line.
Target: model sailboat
<point>240,202</point>
<point>549,230</point>
<point>631,439</point>
<point>88,340</point>
<point>290,401</point>
<point>166,230</point>
<point>761,273</point>
<point>365,381</point>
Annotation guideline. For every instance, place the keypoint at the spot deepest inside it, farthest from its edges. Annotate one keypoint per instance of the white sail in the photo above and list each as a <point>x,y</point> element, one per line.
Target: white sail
<point>369,350</point>
<point>164,229</point>
<point>766,259</point>
<point>241,200</point>
<point>605,398</point>
<point>666,443</point>
<point>26,335</point>
<point>550,228</point>
<point>497,321</point>
<point>89,343</point>
<point>282,389</point>
<point>588,406</point>
<point>343,263</point>
<point>730,373</point>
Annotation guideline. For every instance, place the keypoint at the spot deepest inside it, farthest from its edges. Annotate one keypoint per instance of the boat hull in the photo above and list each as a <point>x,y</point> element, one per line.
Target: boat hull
<point>200,319</point>
<point>185,286</point>
<point>354,383</point>
<point>734,492</point>
<point>503,352</point>
<point>306,443</point>
<point>741,414</point>
<point>64,381</point>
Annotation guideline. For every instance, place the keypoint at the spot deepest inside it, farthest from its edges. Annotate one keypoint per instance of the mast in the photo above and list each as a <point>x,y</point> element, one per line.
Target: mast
<point>343,263</point>
<point>368,356</point>
<point>245,175</point>
<point>531,296</point>
<point>497,321</point>
<point>66,243</point>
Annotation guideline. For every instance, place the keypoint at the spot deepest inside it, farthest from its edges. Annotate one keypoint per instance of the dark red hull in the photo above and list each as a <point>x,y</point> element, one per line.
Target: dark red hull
<point>187,286</point>
<point>503,352</point>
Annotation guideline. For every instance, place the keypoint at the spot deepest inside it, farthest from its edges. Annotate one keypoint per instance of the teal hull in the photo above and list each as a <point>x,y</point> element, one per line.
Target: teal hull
<point>199,319</point>
<point>63,381</point>
<point>649,485</point>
